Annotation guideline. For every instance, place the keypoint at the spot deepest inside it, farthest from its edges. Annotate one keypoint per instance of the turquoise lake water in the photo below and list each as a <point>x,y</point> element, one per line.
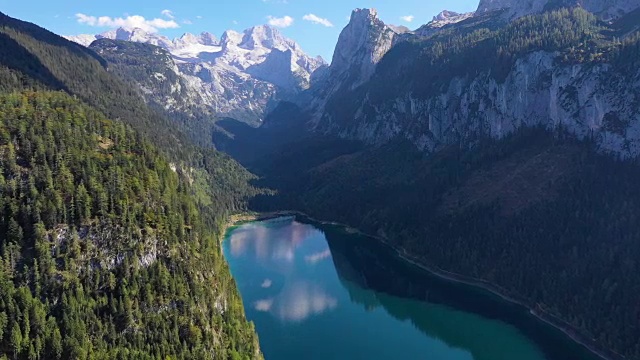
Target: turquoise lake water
<point>320,292</point>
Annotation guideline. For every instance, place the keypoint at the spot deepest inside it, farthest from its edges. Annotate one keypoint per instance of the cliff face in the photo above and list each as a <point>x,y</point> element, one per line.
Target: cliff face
<point>586,100</point>
<point>590,98</point>
<point>361,45</point>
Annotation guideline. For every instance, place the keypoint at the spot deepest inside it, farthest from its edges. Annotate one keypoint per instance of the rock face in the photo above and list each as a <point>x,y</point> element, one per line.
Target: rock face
<point>591,100</point>
<point>606,9</point>
<point>587,100</point>
<point>238,76</point>
<point>361,45</point>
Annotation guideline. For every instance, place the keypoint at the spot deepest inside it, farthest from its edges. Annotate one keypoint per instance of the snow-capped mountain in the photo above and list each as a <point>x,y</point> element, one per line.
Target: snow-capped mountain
<point>238,76</point>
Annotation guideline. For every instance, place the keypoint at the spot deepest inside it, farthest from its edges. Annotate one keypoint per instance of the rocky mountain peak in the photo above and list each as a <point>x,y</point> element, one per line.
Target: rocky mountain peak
<point>364,15</point>
<point>204,38</point>
<point>361,45</point>
<point>445,15</point>
<point>230,37</point>
<point>135,35</point>
<point>264,36</point>
<point>238,76</point>
<point>207,38</point>
<point>187,39</point>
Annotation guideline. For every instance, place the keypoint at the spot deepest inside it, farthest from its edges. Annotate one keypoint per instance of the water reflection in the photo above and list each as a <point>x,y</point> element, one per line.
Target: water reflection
<point>375,277</point>
<point>317,257</point>
<point>303,299</point>
<point>304,287</point>
<point>258,240</point>
<point>289,294</point>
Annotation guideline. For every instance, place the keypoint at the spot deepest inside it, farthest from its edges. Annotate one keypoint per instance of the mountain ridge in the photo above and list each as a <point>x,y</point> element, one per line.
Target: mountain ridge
<point>450,103</point>
<point>221,74</point>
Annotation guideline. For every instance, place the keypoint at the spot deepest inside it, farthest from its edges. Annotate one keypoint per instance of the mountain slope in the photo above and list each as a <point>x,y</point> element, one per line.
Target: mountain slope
<point>37,58</point>
<point>502,152</point>
<point>153,71</point>
<point>112,243</point>
<point>565,68</point>
<point>539,217</point>
<point>98,241</point>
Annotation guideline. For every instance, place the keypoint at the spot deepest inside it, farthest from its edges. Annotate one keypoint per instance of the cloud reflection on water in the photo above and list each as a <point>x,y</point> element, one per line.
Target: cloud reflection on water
<point>317,257</point>
<point>270,242</point>
<point>301,300</point>
<point>263,305</point>
<point>276,249</point>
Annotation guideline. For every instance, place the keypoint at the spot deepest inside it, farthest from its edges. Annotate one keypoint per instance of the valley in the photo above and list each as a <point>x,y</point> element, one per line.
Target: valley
<point>490,157</point>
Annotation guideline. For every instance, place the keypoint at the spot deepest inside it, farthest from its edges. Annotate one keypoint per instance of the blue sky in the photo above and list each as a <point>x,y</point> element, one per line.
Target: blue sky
<point>314,24</point>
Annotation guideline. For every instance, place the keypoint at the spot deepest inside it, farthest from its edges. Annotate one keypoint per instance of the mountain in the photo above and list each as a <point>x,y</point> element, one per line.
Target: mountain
<point>505,152</point>
<point>361,45</point>
<point>452,99</point>
<point>239,76</point>
<point>111,217</point>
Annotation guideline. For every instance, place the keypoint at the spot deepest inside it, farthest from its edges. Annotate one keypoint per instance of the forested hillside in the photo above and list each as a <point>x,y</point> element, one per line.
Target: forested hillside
<point>478,165</point>
<point>538,214</point>
<point>112,217</point>
<point>542,216</point>
<point>34,58</point>
<point>546,218</point>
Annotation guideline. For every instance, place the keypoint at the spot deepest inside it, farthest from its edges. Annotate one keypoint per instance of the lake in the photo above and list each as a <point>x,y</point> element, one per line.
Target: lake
<point>317,291</point>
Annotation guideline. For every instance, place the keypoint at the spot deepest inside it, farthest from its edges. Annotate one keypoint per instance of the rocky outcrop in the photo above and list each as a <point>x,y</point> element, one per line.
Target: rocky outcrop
<point>590,101</point>
<point>361,45</point>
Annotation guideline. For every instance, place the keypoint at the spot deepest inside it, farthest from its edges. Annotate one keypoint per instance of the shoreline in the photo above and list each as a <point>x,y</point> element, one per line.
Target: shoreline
<point>539,314</point>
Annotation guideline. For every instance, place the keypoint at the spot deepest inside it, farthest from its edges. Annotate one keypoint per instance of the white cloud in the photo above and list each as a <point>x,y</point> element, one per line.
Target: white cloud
<point>198,17</point>
<point>187,22</point>
<point>408,18</point>
<point>167,13</point>
<point>133,21</point>
<point>317,20</point>
<point>282,22</point>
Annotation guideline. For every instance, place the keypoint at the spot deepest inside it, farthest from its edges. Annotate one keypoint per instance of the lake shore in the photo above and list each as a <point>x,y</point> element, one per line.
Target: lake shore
<point>538,312</point>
